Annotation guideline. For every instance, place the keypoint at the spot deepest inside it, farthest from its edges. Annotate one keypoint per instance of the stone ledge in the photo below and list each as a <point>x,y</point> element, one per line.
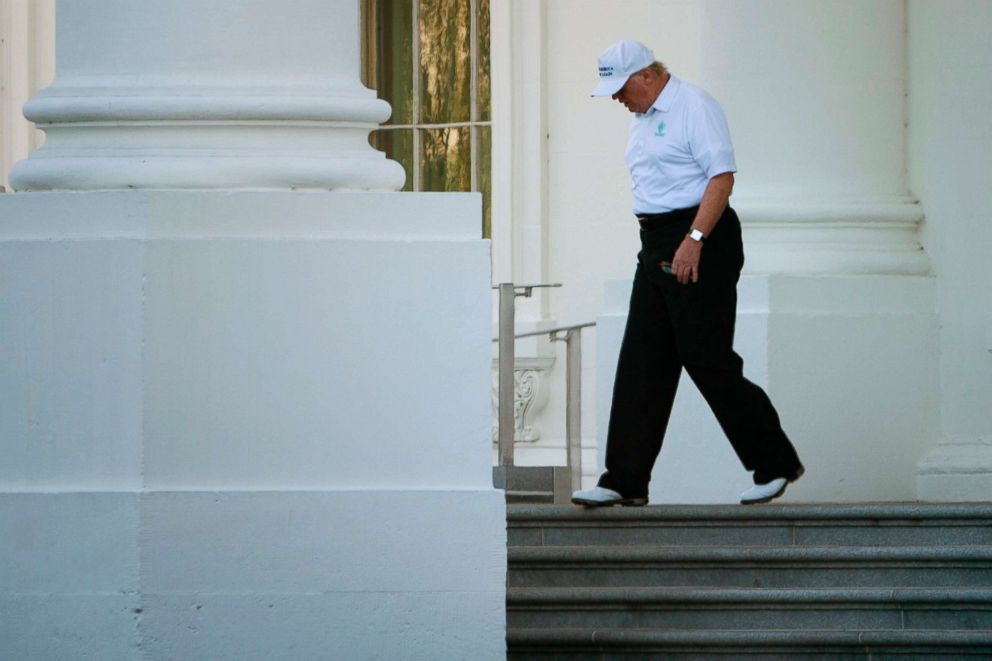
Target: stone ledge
<point>979,512</point>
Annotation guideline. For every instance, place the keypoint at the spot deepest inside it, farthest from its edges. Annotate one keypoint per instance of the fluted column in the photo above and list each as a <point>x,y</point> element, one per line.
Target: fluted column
<point>198,95</point>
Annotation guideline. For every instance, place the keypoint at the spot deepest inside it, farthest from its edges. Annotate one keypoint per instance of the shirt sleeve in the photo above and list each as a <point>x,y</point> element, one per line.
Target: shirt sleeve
<point>709,138</point>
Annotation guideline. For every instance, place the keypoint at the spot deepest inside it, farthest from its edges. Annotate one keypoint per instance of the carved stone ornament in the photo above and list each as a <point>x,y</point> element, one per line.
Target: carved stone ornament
<point>529,397</point>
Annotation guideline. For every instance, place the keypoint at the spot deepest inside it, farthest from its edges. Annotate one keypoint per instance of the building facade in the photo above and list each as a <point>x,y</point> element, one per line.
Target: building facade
<point>864,159</point>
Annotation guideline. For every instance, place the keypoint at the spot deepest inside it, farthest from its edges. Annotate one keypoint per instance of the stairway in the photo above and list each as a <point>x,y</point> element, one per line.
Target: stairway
<point>873,581</point>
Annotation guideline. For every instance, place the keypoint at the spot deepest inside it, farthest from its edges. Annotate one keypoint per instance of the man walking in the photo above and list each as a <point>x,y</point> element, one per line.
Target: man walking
<point>683,303</point>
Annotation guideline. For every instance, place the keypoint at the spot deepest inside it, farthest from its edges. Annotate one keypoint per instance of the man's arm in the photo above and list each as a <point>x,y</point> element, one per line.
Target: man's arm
<point>685,264</point>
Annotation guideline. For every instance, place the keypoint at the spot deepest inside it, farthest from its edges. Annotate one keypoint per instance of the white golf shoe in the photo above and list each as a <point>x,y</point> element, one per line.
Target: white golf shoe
<point>762,493</point>
<point>602,497</point>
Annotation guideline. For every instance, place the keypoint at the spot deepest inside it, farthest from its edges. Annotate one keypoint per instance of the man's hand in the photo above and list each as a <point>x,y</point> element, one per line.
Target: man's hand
<point>685,264</point>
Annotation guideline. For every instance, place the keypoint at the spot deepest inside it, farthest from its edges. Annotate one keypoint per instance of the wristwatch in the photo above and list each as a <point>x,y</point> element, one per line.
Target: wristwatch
<point>695,235</point>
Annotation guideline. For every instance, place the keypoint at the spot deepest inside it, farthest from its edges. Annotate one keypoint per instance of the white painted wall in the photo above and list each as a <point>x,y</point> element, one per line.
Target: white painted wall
<point>950,166</point>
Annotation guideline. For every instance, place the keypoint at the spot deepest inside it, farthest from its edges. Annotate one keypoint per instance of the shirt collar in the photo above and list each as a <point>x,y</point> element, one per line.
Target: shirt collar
<point>667,96</point>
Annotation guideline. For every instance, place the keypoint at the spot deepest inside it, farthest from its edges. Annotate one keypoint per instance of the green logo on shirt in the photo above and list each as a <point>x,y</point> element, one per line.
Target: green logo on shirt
<point>660,131</point>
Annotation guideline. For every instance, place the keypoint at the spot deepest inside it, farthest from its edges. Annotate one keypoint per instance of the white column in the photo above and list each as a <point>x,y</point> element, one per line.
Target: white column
<point>950,166</point>
<point>520,242</point>
<point>838,310</point>
<point>27,60</point>
<point>815,93</point>
<point>239,420</point>
<point>226,94</point>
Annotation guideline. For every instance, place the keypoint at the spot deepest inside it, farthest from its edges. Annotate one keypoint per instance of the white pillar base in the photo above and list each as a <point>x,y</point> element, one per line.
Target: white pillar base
<point>246,426</point>
<point>957,472</point>
<point>858,237</point>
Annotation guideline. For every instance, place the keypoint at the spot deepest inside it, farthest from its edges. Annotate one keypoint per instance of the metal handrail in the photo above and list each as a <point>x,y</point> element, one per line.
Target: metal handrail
<point>551,331</point>
<point>572,337</point>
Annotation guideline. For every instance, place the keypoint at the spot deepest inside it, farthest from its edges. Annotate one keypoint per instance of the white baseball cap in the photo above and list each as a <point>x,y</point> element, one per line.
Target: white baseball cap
<point>618,62</point>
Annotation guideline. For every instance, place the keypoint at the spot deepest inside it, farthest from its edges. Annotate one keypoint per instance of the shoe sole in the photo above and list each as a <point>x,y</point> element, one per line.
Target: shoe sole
<point>626,502</point>
<point>798,474</point>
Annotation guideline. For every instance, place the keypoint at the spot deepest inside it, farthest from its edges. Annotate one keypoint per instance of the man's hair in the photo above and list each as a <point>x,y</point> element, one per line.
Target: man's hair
<point>658,69</point>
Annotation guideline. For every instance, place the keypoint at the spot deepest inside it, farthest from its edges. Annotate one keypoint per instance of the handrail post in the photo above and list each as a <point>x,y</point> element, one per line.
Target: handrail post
<point>573,405</point>
<point>507,296</point>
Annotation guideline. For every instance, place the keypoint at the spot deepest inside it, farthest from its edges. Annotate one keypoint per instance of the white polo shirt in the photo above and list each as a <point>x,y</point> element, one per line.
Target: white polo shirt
<point>676,147</point>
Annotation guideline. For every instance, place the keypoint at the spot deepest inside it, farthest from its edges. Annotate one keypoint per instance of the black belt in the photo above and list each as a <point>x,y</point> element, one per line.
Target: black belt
<point>649,220</point>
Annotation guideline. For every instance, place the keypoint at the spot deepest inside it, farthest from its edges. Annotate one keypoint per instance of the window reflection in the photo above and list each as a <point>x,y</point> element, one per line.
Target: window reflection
<point>389,70</point>
<point>445,61</point>
<point>440,127</point>
<point>485,178</point>
<point>447,160</point>
<point>482,62</point>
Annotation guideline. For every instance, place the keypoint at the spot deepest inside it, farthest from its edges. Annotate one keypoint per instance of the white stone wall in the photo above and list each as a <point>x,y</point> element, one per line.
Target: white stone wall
<point>245,383</point>
<point>242,425</point>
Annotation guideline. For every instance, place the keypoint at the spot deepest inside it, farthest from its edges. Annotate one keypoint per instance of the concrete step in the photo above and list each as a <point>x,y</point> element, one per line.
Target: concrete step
<point>750,566</point>
<point>533,485</point>
<point>727,645</point>
<point>875,524</point>
<point>749,608</point>
<point>873,581</point>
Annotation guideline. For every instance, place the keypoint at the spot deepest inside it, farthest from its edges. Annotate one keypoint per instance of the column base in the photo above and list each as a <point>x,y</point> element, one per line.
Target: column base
<point>864,237</point>
<point>957,472</point>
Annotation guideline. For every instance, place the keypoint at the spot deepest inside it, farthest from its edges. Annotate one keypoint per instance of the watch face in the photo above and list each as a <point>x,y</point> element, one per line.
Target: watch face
<point>696,235</point>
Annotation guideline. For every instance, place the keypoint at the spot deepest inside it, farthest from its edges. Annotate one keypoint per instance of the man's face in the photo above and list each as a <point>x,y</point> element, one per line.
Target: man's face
<point>639,92</point>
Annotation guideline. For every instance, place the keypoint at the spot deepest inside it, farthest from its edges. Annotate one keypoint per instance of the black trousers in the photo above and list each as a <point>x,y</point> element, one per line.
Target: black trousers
<point>673,326</point>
